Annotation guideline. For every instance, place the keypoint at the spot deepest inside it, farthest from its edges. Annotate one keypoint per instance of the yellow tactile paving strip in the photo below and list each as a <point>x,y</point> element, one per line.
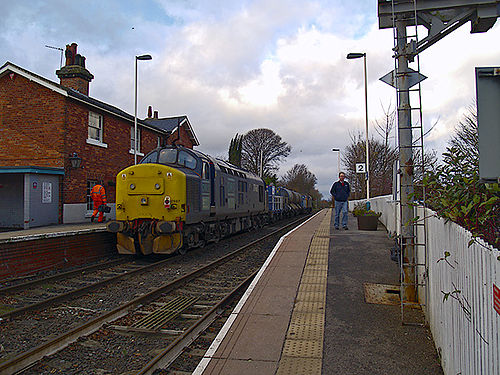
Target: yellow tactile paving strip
<point>303,349</point>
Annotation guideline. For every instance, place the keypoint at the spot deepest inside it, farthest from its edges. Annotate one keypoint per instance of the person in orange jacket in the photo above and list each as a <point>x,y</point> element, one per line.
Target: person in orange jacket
<point>98,195</point>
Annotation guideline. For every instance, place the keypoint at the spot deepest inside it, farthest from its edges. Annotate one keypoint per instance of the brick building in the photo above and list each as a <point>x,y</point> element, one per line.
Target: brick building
<point>56,142</point>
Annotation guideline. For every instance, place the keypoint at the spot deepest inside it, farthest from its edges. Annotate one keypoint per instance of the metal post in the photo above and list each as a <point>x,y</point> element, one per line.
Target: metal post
<point>135,114</point>
<point>357,56</point>
<point>261,164</point>
<point>367,148</point>
<point>141,57</point>
<point>338,159</point>
<point>406,165</point>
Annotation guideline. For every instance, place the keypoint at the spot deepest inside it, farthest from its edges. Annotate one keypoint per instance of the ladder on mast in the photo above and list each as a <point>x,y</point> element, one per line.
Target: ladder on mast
<point>412,236</point>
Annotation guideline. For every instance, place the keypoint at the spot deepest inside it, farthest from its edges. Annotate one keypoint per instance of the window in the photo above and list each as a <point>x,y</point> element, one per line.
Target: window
<point>205,173</point>
<point>132,139</point>
<point>242,188</point>
<point>167,156</point>
<point>90,185</point>
<point>261,193</point>
<point>95,126</point>
<point>151,158</point>
<point>222,196</point>
<point>186,159</point>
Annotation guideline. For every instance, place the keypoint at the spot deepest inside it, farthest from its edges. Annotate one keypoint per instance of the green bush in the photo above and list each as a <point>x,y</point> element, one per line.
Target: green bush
<point>455,192</point>
<point>360,210</point>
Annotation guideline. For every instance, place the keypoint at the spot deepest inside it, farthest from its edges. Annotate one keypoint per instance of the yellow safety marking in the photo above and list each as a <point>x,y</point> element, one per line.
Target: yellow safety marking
<point>310,296</point>
<point>311,288</point>
<point>297,365</point>
<point>303,349</point>
<point>308,319</point>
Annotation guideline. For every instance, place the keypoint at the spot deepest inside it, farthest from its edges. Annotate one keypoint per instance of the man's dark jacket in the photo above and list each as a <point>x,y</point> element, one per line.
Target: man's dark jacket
<point>340,192</point>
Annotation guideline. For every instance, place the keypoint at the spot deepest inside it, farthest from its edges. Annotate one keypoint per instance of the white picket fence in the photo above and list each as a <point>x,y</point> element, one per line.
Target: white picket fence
<point>465,328</point>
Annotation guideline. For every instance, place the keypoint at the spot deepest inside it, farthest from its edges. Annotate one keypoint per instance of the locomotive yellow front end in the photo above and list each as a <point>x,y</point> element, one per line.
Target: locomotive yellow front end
<point>150,209</point>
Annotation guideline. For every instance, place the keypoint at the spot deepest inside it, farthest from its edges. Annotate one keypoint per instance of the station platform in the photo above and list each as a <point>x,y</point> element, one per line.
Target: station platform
<point>306,311</point>
<point>44,249</point>
<point>49,231</point>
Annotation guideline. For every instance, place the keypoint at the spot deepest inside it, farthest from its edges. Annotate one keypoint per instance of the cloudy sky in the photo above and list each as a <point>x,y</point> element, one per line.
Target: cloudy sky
<point>237,65</point>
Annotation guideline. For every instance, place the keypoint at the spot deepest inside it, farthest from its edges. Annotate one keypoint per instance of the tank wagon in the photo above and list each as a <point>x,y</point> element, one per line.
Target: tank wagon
<point>178,198</point>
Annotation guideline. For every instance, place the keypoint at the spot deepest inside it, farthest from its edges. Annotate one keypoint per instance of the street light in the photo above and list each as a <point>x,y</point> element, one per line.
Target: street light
<point>141,57</point>
<point>338,159</point>
<point>351,56</point>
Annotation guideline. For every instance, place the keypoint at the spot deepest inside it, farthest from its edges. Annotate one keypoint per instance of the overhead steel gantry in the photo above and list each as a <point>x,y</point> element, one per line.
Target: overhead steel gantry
<point>440,18</point>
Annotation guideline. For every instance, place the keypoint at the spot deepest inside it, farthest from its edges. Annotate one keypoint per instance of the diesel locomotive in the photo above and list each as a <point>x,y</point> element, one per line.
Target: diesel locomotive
<point>178,198</point>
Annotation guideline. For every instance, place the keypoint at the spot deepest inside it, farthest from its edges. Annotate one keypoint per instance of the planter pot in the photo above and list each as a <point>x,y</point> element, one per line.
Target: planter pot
<point>367,222</point>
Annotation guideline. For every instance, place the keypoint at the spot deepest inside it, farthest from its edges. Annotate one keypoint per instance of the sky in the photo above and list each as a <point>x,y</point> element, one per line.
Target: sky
<point>236,65</point>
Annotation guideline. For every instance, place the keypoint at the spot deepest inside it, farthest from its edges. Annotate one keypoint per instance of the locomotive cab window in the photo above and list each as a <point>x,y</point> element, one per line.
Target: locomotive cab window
<point>167,156</point>
<point>150,158</point>
<point>205,173</point>
<point>187,160</point>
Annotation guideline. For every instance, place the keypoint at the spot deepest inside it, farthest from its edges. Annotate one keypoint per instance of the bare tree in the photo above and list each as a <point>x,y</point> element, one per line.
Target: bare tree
<point>466,137</point>
<point>384,127</point>
<point>263,147</point>
<point>300,179</point>
<point>382,157</point>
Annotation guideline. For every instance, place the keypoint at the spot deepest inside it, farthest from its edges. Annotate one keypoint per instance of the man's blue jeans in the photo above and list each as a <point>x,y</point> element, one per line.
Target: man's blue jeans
<point>340,206</point>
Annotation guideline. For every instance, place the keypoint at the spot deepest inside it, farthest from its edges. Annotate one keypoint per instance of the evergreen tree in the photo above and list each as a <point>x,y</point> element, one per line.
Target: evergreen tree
<point>235,150</point>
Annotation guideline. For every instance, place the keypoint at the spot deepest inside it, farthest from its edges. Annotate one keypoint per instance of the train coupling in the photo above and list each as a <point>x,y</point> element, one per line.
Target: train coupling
<point>115,226</point>
<point>164,227</point>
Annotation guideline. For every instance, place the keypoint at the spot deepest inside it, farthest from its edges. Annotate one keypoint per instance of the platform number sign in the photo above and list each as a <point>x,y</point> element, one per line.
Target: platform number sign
<point>360,168</point>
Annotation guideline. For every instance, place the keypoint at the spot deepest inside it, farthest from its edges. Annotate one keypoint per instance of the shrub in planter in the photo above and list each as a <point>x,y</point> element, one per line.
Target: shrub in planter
<point>367,219</point>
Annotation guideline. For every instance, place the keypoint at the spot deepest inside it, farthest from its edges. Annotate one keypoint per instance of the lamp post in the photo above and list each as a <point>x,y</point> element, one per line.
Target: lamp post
<point>338,159</point>
<point>141,57</point>
<point>357,56</point>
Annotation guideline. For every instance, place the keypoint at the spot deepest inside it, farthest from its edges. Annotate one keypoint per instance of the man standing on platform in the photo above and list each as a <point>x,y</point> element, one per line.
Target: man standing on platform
<point>340,192</point>
<point>98,195</point>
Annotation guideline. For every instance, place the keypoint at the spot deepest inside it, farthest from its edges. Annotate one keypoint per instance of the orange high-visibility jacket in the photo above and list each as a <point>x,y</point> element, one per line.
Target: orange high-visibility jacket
<point>98,194</point>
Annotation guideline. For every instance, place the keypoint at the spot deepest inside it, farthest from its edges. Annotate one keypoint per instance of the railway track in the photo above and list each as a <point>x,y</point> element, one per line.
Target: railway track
<point>39,294</point>
<point>190,300</point>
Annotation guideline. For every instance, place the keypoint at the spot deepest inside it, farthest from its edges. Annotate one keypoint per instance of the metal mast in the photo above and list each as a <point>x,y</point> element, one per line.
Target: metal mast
<point>440,18</point>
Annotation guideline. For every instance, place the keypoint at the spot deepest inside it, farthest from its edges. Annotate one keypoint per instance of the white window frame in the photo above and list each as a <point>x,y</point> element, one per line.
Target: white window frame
<point>100,128</point>
<point>88,200</point>
<point>132,134</point>
<point>95,122</point>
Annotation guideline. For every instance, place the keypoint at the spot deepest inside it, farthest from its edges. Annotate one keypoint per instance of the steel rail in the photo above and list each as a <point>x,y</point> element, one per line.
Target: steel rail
<point>27,358</point>
<point>77,292</point>
<point>171,352</point>
<point>60,276</point>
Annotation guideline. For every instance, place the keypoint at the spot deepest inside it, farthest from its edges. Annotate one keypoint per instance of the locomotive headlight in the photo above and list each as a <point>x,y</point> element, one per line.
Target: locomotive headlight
<point>132,186</point>
<point>157,186</point>
<point>144,201</point>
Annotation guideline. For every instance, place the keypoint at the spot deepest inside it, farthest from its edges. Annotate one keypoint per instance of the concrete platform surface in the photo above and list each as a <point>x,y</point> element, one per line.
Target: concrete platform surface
<point>307,314</point>
<point>365,338</point>
<point>51,231</point>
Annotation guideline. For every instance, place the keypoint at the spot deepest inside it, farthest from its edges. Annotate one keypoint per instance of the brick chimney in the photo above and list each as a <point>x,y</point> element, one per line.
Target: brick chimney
<point>73,74</point>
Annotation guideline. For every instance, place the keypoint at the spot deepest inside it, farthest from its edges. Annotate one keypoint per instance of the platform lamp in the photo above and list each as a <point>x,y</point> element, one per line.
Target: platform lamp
<point>351,56</point>
<point>75,160</point>
<point>141,57</point>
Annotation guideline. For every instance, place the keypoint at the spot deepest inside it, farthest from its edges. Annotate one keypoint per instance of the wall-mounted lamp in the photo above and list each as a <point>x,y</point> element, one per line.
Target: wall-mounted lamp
<point>75,161</point>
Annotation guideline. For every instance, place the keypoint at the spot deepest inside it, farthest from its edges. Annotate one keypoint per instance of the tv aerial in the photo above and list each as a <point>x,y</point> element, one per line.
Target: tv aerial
<point>59,49</point>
